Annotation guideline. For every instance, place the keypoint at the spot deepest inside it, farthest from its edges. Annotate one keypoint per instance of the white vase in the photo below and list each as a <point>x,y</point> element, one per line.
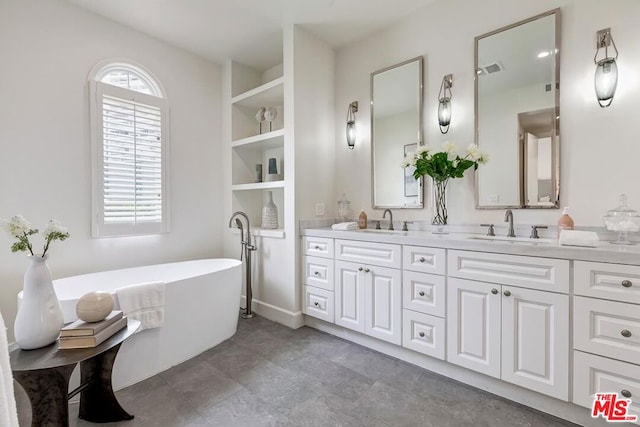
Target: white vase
<point>39,316</point>
<point>269,212</point>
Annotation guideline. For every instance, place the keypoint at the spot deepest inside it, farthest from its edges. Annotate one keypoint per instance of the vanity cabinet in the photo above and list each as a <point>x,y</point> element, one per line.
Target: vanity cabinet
<point>317,278</point>
<point>424,300</point>
<point>368,288</point>
<point>606,332</point>
<point>499,328</point>
<point>368,300</point>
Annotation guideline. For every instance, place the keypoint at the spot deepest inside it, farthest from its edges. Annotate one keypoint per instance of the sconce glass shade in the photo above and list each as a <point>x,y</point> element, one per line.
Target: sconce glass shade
<point>606,81</point>
<point>444,114</point>
<point>351,134</point>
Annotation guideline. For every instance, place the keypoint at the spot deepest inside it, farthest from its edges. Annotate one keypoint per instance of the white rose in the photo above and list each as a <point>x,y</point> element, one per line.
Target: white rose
<point>473,152</point>
<point>17,226</point>
<point>422,149</point>
<point>450,148</point>
<point>54,226</point>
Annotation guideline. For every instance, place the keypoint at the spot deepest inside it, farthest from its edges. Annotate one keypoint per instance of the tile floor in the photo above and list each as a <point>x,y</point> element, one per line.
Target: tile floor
<point>270,375</point>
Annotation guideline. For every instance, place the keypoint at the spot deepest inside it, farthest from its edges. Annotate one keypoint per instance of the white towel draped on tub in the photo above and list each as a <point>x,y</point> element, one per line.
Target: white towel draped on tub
<point>8,413</point>
<point>143,302</point>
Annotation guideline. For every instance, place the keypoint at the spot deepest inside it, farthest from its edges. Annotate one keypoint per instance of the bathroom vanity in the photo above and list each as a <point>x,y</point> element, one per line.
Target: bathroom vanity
<point>523,318</point>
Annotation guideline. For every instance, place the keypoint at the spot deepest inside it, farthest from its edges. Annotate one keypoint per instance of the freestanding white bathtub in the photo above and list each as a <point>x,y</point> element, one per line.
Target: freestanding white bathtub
<point>201,310</point>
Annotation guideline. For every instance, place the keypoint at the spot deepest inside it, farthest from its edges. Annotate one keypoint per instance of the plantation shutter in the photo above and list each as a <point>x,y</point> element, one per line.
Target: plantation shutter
<point>131,160</point>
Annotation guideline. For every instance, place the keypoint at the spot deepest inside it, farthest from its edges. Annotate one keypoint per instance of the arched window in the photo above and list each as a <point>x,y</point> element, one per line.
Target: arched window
<point>130,146</point>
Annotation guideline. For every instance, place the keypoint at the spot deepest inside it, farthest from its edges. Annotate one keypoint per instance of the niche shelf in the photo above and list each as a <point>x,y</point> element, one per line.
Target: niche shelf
<point>270,93</point>
<point>265,141</point>
<point>258,186</point>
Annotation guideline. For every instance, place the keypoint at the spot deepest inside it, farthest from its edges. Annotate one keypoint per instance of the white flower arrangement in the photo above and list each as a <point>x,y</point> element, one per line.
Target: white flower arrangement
<point>19,228</point>
<point>444,163</point>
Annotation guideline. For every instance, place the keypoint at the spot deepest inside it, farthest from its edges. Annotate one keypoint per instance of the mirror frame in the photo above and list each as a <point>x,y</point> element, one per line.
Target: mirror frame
<point>420,140</point>
<point>556,124</point>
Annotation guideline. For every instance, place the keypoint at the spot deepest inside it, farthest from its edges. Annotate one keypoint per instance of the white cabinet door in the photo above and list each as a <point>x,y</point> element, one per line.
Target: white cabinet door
<point>535,340</point>
<point>383,303</point>
<point>349,295</point>
<point>369,253</point>
<point>424,293</point>
<point>473,325</point>
<point>318,303</point>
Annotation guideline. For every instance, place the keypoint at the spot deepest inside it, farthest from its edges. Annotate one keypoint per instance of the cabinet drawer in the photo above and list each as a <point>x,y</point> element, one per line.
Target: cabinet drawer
<point>382,254</point>
<point>318,272</point>
<point>529,272</point>
<point>595,374</point>
<point>423,333</point>
<point>608,281</point>
<point>607,328</point>
<point>317,246</point>
<point>424,293</point>
<point>424,260</point>
<point>318,303</point>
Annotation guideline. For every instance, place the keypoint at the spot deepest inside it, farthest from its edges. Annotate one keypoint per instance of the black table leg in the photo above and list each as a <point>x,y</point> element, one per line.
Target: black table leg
<point>47,390</point>
<point>98,404</point>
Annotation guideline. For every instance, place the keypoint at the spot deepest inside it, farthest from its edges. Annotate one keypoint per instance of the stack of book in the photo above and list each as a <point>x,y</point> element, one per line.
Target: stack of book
<point>81,334</point>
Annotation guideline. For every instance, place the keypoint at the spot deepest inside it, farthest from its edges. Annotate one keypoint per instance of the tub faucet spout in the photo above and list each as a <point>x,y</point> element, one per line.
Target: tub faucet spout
<point>245,252</point>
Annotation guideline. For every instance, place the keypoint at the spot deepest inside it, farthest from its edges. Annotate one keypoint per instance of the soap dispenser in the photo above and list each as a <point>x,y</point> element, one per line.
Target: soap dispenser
<point>565,222</point>
<point>362,220</point>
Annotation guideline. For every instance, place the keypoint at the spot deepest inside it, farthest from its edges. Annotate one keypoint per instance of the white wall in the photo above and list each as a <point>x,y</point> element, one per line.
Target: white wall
<point>47,49</point>
<point>599,146</point>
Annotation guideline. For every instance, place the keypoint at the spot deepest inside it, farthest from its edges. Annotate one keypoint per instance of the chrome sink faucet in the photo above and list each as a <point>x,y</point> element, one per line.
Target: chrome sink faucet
<point>508,217</point>
<point>390,218</point>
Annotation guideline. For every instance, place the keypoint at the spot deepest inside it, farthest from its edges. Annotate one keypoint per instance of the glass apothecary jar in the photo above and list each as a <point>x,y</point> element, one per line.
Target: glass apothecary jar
<point>344,208</point>
<point>622,220</point>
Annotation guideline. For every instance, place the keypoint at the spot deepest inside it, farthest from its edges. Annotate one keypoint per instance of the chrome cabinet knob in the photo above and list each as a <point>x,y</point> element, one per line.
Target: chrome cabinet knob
<point>422,259</point>
<point>421,334</point>
<point>625,333</point>
<point>421,293</point>
<point>366,270</point>
<point>360,268</point>
<point>317,304</point>
<point>627,283</point>
<point>316,273</point>
<point>494,291</point>
<point>507,293</point>
<point>318,247</point>
<point>626,393</point>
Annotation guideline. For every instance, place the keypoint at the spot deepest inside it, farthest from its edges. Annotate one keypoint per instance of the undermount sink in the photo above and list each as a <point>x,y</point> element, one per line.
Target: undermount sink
<point>513,240</point>
<point>373,230</point>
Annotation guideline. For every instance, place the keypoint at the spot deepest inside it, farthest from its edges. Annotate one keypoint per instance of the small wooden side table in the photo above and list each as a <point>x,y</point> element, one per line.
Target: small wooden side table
<point>44,374</point>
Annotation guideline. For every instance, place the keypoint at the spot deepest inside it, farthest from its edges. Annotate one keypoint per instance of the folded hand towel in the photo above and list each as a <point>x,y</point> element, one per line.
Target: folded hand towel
<point>578,238</point>
<point>345,226</point>
<point>8,413</point>
<point>143,302</point>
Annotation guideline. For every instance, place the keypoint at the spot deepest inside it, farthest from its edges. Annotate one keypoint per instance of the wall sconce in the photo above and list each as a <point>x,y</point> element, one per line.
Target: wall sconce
<point>444,103</point>
<point>351,124</point>
<point>606,77</point>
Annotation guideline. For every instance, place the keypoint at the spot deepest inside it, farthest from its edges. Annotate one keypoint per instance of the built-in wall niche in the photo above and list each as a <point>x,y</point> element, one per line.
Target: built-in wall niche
<point>249,153</point>
<point>253,90</point>
<point>251,202</point>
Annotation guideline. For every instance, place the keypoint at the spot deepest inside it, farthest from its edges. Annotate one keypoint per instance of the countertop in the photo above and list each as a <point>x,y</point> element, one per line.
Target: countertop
<point>604,252</point>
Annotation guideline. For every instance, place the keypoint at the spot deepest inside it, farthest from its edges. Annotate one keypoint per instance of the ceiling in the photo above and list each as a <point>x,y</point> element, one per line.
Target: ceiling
<point>250,31</point>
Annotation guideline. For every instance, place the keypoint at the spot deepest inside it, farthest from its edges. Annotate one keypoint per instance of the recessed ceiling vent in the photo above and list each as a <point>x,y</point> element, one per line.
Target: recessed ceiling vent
<point>490,68</point>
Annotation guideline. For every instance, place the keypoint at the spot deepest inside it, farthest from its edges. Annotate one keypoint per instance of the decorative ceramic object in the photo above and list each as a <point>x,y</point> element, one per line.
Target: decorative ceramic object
<point>273,174</point>
<point>259,173</point>
<point>270,115</point>
<point>39,317</point>
<point>273,167</point>
<point>269,212</point>
<point>260,117</point>
<point>94,306</point>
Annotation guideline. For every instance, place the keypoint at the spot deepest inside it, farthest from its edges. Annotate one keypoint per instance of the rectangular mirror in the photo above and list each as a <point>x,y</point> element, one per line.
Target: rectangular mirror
<point>396,131</point>
<point>517,114</point>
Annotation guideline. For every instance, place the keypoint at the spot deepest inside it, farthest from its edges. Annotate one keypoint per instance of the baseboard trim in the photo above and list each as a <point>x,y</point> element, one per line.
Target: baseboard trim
<point>561,409</point>
<point>293,320</point>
